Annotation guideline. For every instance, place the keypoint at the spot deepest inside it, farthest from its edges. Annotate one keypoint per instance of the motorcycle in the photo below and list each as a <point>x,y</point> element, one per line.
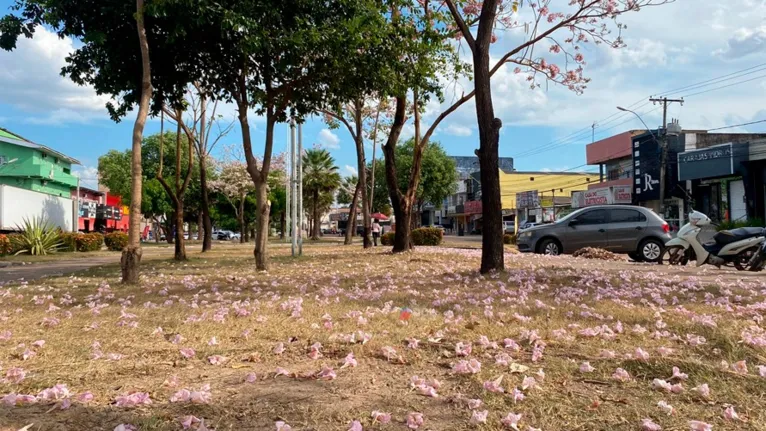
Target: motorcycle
<point>756,262</point>
<point>736,247</point>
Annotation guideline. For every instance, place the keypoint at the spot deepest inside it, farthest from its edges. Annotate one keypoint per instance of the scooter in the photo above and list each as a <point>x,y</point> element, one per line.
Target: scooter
<point>729,247</point>
<point>757,261</point>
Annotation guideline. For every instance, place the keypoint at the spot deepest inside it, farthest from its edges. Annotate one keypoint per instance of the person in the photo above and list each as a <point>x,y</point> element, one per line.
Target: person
<point>375,232</point>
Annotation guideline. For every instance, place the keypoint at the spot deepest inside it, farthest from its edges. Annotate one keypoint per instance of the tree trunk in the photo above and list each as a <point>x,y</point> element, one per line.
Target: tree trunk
<point>351,224</point>
<point>180,249</point>
<point>241,219</point>
<point>489,136</point>
<point>362,167</point>
<point>262,226</point>
<point>131,255</point>
<point>205,235</point>
<point>400,203</point>
<point>283,224</point>
<point>170,228</point>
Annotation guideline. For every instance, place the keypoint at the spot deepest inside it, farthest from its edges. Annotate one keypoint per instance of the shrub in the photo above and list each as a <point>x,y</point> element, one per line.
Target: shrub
<point>387,238</point>
<point>509,239</point>
<point>116,241</point>
<point>729,225</point>
<point>15,242</point>
<point>37,237</point>
<point>427,236</point>
<point>5,245</point>
<point>76,241</point>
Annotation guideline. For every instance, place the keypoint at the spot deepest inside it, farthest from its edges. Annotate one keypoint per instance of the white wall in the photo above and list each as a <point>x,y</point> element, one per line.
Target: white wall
<point>17,204</point>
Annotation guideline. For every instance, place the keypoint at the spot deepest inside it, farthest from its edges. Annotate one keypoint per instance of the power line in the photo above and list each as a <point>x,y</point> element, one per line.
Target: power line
<point>737,125</point>
<point>725,86</point>
<point>717,80</point>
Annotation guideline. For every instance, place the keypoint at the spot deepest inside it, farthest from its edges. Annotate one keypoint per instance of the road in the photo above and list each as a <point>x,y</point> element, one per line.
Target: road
<point>47,269</point>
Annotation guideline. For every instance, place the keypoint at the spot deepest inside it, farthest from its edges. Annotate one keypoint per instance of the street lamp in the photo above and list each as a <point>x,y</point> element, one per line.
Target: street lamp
<point>14,160</point>
<point>663,157</point>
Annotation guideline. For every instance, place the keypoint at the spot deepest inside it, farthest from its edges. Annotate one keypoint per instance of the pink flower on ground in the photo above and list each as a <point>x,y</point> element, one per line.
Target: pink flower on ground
<point>474,404</point>
<point>39,343</point>
<point>665,407</point>
<point>621,375</point>
<point>463,349</point>
<point>677,388</point>
<point>494,385</point>
<point>132,400</point>
<point>279,348</point>
<point>282,372</point>
<point>327,373</point>
<point>661,384</point>
<point>585,367</point>
<point>677,374</point>
<point>413,343</point>
<point>349,361</point>
<point>55,393</point>
<point>415,420</point>
<point>517,395</point>
<point>283,426</point>
<point>213,342</point>
<point>15,375</point>
<point>5,335</point>
<point>467,367</point>
<point>762,370</point>
<point>479,417</point>
<point>730,414</point>
<point>607,354</point>
<point>739,367</point>
<point>641,354</point>
<point>356,426</point>
<point>251,378</point>
<point>512,421</point>
<point>188,421</point>
<point>703,390</point>
<point>187,352</point>
<point>216,359</point>
<point>381,417</point>
<point>388,352</point>
<point>528,383</point>
<point>125,427</point>
<point>649,425</point>
<point>665,351</point>
<point>85,397</point>
<point>700,426</point>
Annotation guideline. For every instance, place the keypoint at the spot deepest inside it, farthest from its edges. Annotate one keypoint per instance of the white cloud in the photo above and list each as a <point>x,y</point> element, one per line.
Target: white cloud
<point>328,139</point>
<point>30,80</point>
<point>88,176</point>
<point>744,42</point>
<point>458,130</point>
<point>349,171</point>
<point>641,53</point>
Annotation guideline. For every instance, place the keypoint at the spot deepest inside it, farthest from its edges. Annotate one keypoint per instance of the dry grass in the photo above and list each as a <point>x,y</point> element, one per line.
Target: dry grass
<point>219,295</point>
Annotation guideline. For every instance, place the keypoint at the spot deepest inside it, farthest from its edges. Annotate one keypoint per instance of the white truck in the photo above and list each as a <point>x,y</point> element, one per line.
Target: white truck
<point>17,204</point>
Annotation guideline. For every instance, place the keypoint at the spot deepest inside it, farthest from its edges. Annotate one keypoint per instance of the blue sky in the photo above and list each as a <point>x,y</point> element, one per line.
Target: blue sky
<point>669,47</point>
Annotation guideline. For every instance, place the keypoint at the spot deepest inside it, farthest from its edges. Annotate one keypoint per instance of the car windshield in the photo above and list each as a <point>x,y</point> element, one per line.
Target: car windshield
<point>570,215</point>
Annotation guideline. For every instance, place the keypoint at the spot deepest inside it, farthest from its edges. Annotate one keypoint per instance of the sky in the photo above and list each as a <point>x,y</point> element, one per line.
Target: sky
<point>720,45</point>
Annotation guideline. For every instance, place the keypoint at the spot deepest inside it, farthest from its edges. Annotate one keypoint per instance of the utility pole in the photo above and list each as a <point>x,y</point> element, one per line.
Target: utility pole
<point>293,191</point>
<point>592,140</point>
<point>288,180</point>
<point>664,144</point>
<point>553,205</point>
<point>299,195</point>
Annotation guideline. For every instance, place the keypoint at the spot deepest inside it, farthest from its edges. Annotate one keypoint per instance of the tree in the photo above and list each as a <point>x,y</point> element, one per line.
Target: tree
<point>114,173</point>
<point>320,178</point>
<point>352,187</point>
<point>109,59</point>
<point>234,184</point>
<point>381,202</point>
<point>581,22</point>
<point>438,174</point>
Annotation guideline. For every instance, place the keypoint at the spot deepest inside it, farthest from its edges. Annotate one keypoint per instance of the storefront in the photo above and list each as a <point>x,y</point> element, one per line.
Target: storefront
<point>717,178</point>
<point>614,195</point>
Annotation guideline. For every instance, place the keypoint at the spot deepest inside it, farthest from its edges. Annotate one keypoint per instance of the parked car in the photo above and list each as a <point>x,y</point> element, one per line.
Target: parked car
<point>527,225</point>
<point>635,231</point>
<point>509,227</point>
<point>225,235</point>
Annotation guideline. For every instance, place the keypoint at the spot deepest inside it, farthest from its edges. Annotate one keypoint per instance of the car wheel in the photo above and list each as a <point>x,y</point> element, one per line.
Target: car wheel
<point>635,257</point>
<point>550,247</point>
<point>651,250</point>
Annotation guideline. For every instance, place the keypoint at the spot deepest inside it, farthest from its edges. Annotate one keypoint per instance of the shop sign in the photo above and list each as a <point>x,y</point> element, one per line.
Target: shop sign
<point>622,195</point>
<point>597,197</point>
<point>602,196</point>
<point>717,161</point>
<point>529,199</point>
<point>472,207</point>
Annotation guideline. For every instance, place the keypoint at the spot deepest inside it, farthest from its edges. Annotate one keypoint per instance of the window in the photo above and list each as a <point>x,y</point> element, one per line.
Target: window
<point>45,156</point>
<point>613,174</point>
<point>67,171</point>
<point>627,216</point>
<point>592,217</point>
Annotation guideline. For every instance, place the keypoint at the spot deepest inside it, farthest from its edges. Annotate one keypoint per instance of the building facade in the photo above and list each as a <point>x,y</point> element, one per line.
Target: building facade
<point>27,165</point>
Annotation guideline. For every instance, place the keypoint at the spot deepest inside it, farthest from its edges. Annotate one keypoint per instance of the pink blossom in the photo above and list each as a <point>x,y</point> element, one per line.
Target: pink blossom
<point>474,404</point>
<point>282,372</point>
<point>649,425</point>
<point>661,384</point>
<point>666,408</point>
<point>356,426</point>
<point>479,417</point>
<point>188,421</point>
<point>494,385</point>
<point>467,367</point>
<point>463,349</point>
<point>677,374</point>
<point>585,367</point>
<point>528,383</point>
<point>5,335</point>
<point>133,399</point>
<point>700,426</point>
<point>740,367</point>
<point>283,426</point>
<point>677,388</point>
<point>703,390</point>
<point>555,49</point>
<point>517,395</point>
<point>55,393</point>
<point>279,348</point>
<point>85,397</point>
<point>213,342</point>
<point>579,58</point>
<point>381,417</point>
<point>641,354</point>
<point>607,354</point>
<point>621,375</point>
<point>15,375</point>
<point>349,361</point>
<point>413,343</point>
<point>389,352</point>
<point>511,420</point>
<point>665,351</point>
<point>251,378</point>
<point>125,427</point>
<point>216,359</point>
<point>415,420</point>
<point>326,373</point>
<point>730,414</point>
<point>39,343</point>
<point>762,370</point>
<point>187,352</point>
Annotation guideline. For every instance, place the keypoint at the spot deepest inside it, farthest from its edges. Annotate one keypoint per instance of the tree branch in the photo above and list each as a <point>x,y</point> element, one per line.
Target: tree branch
<point>461,24</point>
<point>342,120</point>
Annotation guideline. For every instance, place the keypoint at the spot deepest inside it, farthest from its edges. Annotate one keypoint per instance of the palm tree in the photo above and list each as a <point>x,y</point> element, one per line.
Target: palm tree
<point>320,176</point>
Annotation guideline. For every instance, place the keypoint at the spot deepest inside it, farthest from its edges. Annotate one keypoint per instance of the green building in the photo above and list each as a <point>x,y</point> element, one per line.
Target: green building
<point>27,165</point>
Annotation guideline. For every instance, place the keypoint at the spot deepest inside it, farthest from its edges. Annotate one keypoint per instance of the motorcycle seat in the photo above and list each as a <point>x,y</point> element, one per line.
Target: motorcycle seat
<point>729,236</point>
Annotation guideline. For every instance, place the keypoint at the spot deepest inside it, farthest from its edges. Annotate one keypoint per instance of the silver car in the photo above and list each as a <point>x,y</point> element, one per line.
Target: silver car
<point>632,230</point>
